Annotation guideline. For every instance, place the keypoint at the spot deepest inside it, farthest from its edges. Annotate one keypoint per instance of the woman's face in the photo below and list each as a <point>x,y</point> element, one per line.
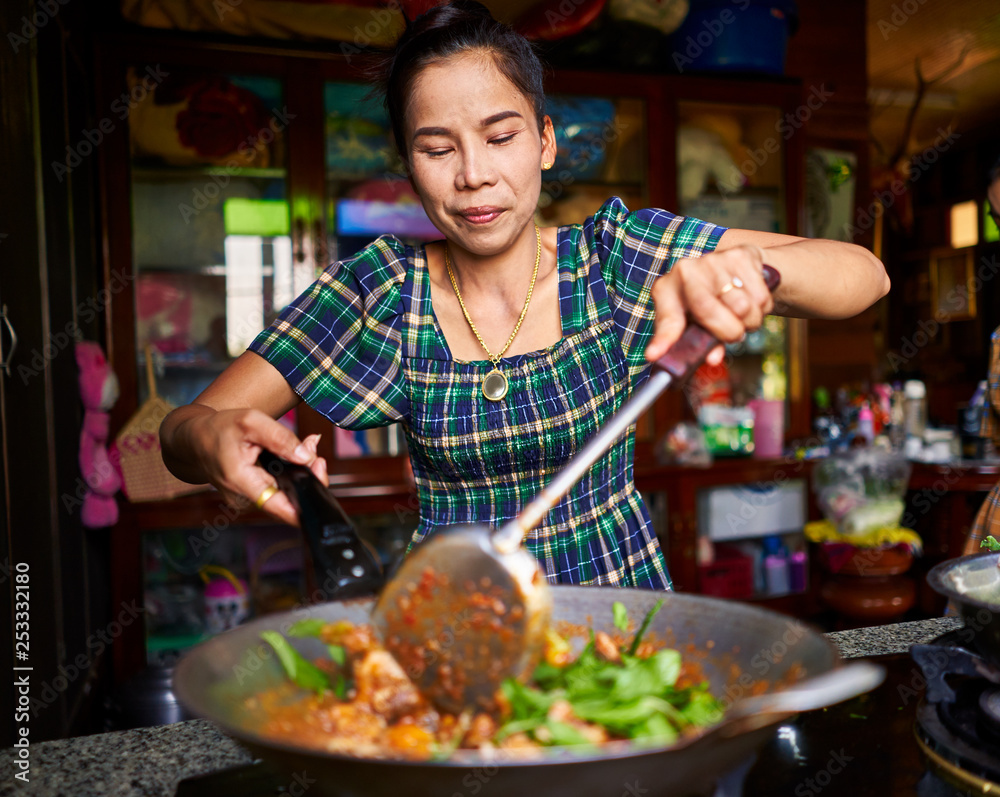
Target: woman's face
<point>475,152</point>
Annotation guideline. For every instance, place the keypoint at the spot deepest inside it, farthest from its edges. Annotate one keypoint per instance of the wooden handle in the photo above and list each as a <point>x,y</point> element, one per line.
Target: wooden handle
<point>694,345</point>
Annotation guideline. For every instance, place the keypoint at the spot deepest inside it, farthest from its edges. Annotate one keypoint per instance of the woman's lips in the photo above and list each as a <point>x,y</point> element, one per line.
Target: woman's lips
<point>481,215</point>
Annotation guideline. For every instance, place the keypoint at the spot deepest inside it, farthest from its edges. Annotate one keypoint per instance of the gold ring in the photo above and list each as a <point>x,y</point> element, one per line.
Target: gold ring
<point>265,496</point>
<point>735,282</point>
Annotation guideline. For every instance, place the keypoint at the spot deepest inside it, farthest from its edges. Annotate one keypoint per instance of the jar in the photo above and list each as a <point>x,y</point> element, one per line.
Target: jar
<point>915,408</point>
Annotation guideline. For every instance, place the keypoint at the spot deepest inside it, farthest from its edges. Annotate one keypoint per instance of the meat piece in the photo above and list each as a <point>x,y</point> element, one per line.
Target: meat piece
<point>382,685</point>
<point>519,741</point>
<point>355,639</point>
<point>481,731</point>
<point>606,648</point>
<point>409,740</point>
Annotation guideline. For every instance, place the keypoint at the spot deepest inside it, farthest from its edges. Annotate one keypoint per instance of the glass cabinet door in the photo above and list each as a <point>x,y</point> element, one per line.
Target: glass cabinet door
<point>367,195</point>
<point>731,171</point>
<point>211,248</point>
<point>601,152</point>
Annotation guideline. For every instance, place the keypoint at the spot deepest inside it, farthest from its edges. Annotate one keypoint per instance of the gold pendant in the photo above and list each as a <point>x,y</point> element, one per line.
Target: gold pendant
<point>495,385</point>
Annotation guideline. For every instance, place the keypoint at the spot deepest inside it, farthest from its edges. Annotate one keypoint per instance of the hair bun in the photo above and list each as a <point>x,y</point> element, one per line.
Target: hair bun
<point>464,7</point>
<point>445,14</point>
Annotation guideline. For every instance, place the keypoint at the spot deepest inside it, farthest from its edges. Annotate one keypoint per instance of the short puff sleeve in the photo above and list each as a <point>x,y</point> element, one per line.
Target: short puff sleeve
<point>339,344</point>
<point>634,249</point>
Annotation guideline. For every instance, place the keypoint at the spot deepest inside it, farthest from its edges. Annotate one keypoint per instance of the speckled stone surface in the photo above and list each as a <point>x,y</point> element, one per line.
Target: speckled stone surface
<point>149,762</point>
<point>896,638</point>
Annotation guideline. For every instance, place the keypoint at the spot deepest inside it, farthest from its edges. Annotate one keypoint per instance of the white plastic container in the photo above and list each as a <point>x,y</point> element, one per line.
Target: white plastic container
<point>915,408</point>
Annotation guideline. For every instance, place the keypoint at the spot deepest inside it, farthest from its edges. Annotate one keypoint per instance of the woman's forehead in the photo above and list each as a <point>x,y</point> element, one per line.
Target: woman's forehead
<point>463,86</point>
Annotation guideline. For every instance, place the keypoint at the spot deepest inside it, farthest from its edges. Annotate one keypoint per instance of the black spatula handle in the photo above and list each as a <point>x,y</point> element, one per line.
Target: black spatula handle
<point>345,567</point>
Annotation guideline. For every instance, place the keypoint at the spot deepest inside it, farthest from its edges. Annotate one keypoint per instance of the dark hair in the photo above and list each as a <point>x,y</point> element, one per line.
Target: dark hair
<point>449,30</point>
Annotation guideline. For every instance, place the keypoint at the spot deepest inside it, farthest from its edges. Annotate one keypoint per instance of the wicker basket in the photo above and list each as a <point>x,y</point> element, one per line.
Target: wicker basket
<point>144,476</point>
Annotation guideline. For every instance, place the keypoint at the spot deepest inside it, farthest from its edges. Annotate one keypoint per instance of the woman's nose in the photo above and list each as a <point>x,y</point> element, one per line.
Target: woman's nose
<point>476,169</point>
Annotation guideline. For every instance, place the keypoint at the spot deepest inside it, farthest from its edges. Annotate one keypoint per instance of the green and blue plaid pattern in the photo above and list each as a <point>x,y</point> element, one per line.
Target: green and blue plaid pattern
<point>363,347</point>
<point>988,517</point>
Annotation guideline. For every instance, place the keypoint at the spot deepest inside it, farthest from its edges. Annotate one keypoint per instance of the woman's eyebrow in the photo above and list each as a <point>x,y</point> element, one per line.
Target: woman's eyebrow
<point>431,131</point>
<point>499,117</point>
<point>444,131</point>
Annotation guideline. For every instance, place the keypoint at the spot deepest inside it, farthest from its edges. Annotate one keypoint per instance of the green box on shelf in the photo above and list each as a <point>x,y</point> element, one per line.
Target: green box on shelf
<point>728,430</point>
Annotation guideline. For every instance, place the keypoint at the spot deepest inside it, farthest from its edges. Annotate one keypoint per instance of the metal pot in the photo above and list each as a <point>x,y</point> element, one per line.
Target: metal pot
<point>742,649</point>
<point>972,584</point>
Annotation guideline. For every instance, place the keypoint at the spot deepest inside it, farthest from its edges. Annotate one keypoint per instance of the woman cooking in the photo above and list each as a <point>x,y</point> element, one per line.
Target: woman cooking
<point>503,347</point>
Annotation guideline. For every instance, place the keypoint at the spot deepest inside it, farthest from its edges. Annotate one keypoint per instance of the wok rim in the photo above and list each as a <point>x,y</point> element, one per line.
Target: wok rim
<point>937,579</point>
<point>621,749</point>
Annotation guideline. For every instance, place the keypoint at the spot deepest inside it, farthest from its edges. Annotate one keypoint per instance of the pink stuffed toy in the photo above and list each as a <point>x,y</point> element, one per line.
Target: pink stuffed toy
<point>99,392</point>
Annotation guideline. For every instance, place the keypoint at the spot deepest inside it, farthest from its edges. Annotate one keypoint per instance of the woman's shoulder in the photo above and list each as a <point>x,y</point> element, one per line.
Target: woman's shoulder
<point>614,213</point>
<point>379,265</point>
<point>616,228</point>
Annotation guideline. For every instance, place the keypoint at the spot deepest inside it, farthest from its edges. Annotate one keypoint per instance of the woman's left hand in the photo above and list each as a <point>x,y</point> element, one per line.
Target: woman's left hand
<point>722,291</point>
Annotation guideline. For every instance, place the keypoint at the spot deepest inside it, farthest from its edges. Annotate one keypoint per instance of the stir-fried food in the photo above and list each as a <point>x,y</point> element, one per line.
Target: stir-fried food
<point>362,703</point>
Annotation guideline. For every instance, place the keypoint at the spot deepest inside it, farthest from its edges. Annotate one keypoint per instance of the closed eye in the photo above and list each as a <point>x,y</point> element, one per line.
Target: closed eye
<point>503,139</point>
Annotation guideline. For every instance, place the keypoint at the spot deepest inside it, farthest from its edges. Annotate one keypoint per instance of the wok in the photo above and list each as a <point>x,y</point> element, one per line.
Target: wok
<point>741,648</point>
<point>972,583</point>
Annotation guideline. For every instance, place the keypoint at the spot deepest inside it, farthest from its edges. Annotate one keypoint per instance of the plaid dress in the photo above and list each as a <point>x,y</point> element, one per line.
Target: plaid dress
<point>362,346</point>
<point>988,518</point>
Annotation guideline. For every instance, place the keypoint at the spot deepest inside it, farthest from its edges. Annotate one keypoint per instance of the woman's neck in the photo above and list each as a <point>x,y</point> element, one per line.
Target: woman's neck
<point>493,291</point>
<point>496,276</point>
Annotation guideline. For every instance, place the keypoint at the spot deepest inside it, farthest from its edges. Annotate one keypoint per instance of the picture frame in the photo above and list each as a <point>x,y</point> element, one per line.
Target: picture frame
<point>952,278</point>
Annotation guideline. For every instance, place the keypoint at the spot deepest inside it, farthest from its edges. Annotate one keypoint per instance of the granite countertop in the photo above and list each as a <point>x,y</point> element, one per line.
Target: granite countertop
<point>149,762</point>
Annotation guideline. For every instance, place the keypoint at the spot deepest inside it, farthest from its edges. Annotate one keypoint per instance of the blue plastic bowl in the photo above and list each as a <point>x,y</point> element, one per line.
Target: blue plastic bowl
<point>735,36</point>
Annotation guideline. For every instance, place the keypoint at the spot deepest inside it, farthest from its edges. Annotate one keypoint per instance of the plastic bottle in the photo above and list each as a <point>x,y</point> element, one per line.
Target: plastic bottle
<point>897,418</point>
<point>866,423</point>
<point>797,566</point>
<point>974,411</point>
<point>776,574</point>
<point>775,566</point>
<point>915,420</point>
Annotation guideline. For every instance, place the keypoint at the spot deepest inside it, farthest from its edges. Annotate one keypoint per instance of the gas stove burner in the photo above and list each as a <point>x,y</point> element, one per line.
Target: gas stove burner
<point>989,714</point>
<point>958,722</point>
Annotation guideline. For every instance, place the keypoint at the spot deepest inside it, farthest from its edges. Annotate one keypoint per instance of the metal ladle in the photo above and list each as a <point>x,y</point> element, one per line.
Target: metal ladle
<point>470,606</point>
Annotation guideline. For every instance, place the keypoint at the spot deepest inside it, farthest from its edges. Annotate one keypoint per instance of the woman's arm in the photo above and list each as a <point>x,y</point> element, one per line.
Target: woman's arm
<point>819,279</point>
<point>218,437</point>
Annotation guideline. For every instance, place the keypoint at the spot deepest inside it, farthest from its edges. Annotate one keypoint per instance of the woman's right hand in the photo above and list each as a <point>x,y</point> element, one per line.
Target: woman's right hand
<point>218,438</point>
<point>227,444</point>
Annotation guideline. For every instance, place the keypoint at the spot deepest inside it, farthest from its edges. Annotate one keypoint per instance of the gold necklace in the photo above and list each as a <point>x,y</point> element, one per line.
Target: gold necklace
<point>495,382</point>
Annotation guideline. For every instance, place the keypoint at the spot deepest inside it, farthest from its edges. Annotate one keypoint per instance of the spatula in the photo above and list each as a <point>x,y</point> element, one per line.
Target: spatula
<point>470,606</point>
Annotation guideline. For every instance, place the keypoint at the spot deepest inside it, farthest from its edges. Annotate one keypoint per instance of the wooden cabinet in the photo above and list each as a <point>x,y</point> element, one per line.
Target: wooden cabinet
<point>203,247</point>
<point>681,490</point>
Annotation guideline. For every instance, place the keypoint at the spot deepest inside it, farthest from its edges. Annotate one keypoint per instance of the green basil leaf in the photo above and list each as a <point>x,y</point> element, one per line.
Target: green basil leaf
<point>617,717</point>
<point>656,729</point>
<point>702,709</point>
<point>563,733</point>
<point>645,624</point>
<point>620,614</point>
<point>301,672</point>
<point>310,626</point>
<point>666,664</point>
<point>526,701</point>
<point>517,726</point>
<point>338,654</point>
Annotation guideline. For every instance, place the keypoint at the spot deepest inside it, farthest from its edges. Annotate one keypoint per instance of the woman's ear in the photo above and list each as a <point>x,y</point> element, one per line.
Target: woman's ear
<point>548,142</point>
